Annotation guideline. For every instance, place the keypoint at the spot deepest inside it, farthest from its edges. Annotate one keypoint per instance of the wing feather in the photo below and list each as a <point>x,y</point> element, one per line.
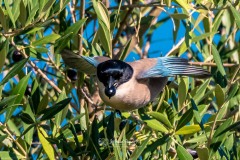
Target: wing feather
<point>171,66</point>
<point>84,64</point>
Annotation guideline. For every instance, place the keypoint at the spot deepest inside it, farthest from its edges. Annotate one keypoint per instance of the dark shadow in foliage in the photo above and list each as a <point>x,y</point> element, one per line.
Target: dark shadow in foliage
<point>219,79</point>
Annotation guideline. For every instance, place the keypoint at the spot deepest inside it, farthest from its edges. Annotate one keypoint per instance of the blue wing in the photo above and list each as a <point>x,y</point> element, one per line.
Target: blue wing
<point>171,66</point>
<point>84,64</point>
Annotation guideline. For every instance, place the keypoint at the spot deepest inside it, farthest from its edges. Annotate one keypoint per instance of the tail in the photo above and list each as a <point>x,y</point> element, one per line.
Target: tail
<point>180,66</point>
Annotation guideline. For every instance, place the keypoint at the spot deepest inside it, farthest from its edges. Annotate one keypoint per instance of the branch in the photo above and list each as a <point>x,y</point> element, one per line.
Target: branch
<point>157,4</point>
<point>72,10</point>
<point>15,141</point>
<point>212,64</point>
<point>82,14</point>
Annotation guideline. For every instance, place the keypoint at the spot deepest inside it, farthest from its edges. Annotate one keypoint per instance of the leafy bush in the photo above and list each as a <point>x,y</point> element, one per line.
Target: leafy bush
<point>50,111</point>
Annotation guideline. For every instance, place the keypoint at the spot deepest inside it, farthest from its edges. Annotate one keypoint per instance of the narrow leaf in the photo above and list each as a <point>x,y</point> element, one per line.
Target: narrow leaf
<point>46,39</point>
<point>182,91</point>
<point>9,11</point>
<point>137,152</point>
<point>236,15</point>
<point>220,96</point>
<point>15,70</point>
<point>183,154</point>
<point>3,54</point>
<point>26,118</point>
<point>235,125</point>
<point>52,111</point>
<point>18,90</point>
<point>186,117</point>
<point>161,118</point>
<point>188,130</point>
<point>47,147</point>
<point>218,60</point>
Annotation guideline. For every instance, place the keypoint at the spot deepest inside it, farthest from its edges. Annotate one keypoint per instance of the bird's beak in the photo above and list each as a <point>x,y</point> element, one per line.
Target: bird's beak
<point>110,90</point>
<point>110,82</point>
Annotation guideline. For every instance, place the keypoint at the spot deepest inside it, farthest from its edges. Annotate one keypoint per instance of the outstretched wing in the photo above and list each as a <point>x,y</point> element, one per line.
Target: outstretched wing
<point>84,64</point>
<point>170,66</point>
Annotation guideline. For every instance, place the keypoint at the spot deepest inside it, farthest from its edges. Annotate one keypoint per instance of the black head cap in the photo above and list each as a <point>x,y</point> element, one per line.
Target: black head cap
<point>113,73</point>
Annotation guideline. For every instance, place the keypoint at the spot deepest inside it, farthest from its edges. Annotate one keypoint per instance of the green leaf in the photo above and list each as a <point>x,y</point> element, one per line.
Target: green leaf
<point>161,118</point>
<point>71,31</point>
<point>47,147</point>
<point>183,154</point>
<point>170,112</point>
<point>104,28</point>
<point>235,125</point>
<point>43,103</point>
<point>199,138</point>
<point>35,95</point>
<point>201,91</point>
<point>6,101</point>
<point>48,6</point>
<point>137,152</point>
<point>23,13</point>
<point>32,14</point>
<point>217,21</point>
<point>105,38</point>
<point>26,118</point>
<point>3,54</point>
<point>102,13</point>
<point>233,90</point>
<point>186,117</point>
<point>52,111</point>
<point>155,125</point>
<point>196,114</point>
<point>6,155</point>
<point>218,139</point>
<point>35,29</point>
<point>18,90</point>
<point>158,142</point>
<point>220,96</point>
<point>47,39</point>
<point>9,11</point>
<point>188,130</point>
<point>125,50</point>
<point>202,36</point>
<point>184,4</point>
<point>218,60</point>
<point>3,20</point>
<point>15,70</point>
<point>202,153</point>
<point>16,9</point>
<point>179,16</point>
<point>236,15</point>
<point>182,91</point>
<point>62,114</point>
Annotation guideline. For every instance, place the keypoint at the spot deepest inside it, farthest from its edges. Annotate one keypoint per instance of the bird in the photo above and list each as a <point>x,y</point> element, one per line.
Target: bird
<point>126,86</point>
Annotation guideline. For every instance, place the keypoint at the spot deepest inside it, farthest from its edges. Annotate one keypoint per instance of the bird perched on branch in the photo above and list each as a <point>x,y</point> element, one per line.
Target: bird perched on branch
<point>127,86</point>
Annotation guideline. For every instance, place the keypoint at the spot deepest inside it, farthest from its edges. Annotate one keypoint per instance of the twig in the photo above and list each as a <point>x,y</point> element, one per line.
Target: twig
<point>72,10</point>
<point>82,14</point>
<point>57,68</point>
<point>36,68</point>
<point>157,4</point>
<point>15,141</point>
<point>212,64</point>
<point>232,79</point>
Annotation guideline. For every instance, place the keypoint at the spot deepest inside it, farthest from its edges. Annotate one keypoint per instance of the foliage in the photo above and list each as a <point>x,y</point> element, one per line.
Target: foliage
<point>39,121</point>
